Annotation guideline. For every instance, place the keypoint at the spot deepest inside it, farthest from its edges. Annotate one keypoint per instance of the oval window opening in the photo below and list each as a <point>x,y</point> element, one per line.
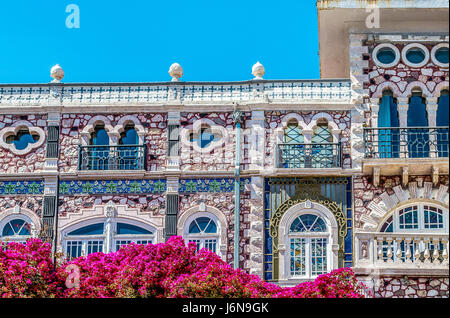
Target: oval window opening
<point>415,55</point>
<point>442,55</point>
<point>386,56</point>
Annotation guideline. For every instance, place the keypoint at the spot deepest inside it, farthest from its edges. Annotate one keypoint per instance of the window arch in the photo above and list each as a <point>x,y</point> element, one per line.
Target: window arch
<point>99,152</point>
<point>413,219</point>
<point>418,217</point>
<point>388,139</point>
<point>15,228</point>
<point>308,241</point>
<point>418,138</point>
<point>103,235</point>
<point>322,151</point>
<point>203,231</point>
<point>308,245</point>
<point>292,151</point>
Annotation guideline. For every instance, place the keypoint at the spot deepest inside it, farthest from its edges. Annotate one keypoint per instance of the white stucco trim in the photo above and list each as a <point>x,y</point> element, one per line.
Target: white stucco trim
<point>288,217</point>
<point>433,55</point>
<point>98,213</point>
<point>413,46</point>
<point>90,127</point>
<point>196,128</point>
<point>18,212</point>
<point>382,46</point>
<point>14,129</point>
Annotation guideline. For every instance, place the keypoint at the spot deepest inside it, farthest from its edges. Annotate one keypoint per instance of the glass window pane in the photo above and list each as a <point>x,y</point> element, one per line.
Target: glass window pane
<point>318,256</point>
<point>73,249</point>
<point>93,229</point>
<point>408,218</point>
<point>94,247</point>
<point>298,257</point>
<point>433,218</point>
<point>125,228</point>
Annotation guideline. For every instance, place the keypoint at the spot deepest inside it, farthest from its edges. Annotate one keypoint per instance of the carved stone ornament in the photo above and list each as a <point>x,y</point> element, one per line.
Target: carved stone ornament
<point>110,210</point>
<point>176,72</point>
<point>57,73</point>
<point>258,70</point>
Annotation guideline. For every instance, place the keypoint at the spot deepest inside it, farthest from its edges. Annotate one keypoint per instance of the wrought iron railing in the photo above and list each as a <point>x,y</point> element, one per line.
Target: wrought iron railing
<point>122,157</point>
<point>411,142</point>
<point>301,155</point>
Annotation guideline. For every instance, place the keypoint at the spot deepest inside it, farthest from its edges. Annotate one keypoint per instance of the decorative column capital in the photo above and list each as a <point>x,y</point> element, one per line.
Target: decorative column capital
<point>237,116</point>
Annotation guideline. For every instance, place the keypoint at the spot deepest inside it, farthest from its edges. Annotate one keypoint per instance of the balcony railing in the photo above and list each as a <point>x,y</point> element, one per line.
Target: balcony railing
<point>123,157</point>
<point>411,142</point>
<point>402,250</point>
<point>300,155</point>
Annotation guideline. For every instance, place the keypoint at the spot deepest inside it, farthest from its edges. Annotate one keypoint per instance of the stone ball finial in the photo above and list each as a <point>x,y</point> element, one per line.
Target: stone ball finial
<point>176,71</point>
<point>258,70</point>
<point>57,73</point>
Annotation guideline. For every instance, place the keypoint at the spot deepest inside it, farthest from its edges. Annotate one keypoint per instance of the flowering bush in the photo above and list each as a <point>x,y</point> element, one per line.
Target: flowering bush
<point>27,270</point>
<point>154,270</point>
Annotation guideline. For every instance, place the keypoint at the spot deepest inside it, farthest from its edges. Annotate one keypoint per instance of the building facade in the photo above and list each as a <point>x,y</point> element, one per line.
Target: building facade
<point>287,179</point>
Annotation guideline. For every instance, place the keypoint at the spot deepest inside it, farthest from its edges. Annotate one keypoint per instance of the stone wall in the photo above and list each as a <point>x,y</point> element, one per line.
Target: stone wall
<point>364,192</point>
<point>225,203</point>
<point>219,157</point>
<point>401,74</point>
<point>274,123</point>
<point>421,287</point>
<point>153,204</point>
<point>155,127</point>
<point>32,161</point>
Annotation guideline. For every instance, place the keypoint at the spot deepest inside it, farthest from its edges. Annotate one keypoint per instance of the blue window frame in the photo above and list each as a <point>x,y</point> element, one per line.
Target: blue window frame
<point>418,138</point>
<point>16,227</point>
<point>128,156</point>
<point>99,156</point>
<point>125,228</point>
<point>388,139</point>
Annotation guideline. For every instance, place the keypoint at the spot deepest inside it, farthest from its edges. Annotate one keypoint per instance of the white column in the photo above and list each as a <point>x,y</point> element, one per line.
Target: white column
<point>402,106</point>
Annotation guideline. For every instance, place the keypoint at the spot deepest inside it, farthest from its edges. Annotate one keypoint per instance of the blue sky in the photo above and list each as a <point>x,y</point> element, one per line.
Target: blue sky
<point>137,40</point>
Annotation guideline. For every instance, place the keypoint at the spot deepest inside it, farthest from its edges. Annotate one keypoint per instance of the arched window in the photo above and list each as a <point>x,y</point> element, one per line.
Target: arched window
<point>322,148</point>
<point>419,217</point>
<point>129,157</point>
<point>97,237</point>
<point>418,138</point>
<point>388,139</point>
<point>442,120</point>
<point>16,230</point>
<point>410,221</point>
<point>292,151</point>
<point>308,242</point>
<point>204,233</point>
<point>99,150</point>
<point>22,139</point>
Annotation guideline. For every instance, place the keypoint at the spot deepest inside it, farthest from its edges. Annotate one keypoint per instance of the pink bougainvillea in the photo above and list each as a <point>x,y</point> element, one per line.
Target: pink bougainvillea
<point>155,270</point>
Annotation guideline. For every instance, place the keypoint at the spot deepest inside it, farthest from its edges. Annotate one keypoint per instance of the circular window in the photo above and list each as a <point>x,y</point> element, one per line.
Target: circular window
<point>439,55</point>
<point>386,55</point>
<point>415,55</point>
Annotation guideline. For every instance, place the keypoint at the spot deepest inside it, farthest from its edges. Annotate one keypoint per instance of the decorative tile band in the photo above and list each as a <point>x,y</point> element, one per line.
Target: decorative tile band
<point>210,185</point>
<point>112,187</point>
<point>293,91</point>
<point>21,187</point>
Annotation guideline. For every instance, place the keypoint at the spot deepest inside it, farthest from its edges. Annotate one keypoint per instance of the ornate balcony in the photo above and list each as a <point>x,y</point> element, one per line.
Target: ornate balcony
<point>301,155</point>
<point>402,252</point>
<point>394,151</point>
<point>123,157</point>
